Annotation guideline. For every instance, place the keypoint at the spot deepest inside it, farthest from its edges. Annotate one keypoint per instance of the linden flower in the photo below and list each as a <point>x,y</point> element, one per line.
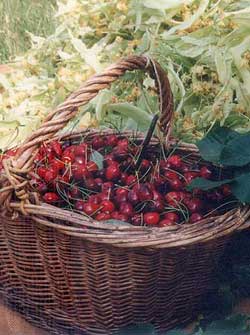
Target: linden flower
<point>118,39</point>
<point>239,109</point>
<point>122,6</point>
<point>188,123</point>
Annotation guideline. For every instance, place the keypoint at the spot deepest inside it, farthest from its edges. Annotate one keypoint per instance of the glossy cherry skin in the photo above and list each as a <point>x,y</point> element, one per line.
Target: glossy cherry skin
<point>151,218</point>
<point>205,172</point>
<point>172,216</point>
<point>103,216</point>
<point>81,149</point>
<point>112,172</point>
<point>126,208</point>
<point>195,217</point>
<point>50,197</point>
<point>195,205</point>
<point>166,223</point>
<point>90,208</point>
<point>175,161</point>
<point>107,206</point>
<point>175,184</point>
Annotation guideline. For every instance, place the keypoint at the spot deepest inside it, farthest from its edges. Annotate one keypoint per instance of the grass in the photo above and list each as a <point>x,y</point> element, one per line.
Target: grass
<point>17,17</point>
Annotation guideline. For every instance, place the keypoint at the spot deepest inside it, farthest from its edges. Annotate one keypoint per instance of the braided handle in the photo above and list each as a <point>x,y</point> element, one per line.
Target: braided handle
<point>57,119</point>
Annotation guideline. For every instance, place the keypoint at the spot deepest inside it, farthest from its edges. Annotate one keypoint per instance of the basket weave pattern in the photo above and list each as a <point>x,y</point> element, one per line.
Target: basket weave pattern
<point>65,271</point>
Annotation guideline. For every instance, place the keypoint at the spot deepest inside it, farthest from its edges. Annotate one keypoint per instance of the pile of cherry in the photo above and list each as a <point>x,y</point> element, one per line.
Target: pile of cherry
<point>98,178</point>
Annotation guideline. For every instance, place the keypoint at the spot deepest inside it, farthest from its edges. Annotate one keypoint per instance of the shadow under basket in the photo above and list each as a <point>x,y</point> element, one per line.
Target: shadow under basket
<point>98,279</point>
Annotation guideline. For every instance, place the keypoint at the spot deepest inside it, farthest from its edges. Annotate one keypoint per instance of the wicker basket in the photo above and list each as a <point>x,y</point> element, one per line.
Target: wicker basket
<point>95,280</point>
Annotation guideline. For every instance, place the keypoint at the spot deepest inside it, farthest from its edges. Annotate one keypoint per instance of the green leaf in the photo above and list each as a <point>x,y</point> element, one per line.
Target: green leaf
<point>128,110</point>
<point>205,184</point>
<point>237,151</point>
<point>97,158</point>
<point>163,4</point>
<point>146,329</point>
<point>241,188</point>
<point>212,145</point>
<point>176,332</point>
<point>235,325</point>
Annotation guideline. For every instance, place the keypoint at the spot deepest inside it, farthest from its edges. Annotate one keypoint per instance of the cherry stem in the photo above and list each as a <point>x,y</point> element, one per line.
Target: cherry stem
<point>146,140</point>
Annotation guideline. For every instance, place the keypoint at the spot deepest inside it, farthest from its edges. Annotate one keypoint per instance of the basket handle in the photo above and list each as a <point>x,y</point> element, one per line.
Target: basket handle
<point>57,119</point>
<point>17,168</point>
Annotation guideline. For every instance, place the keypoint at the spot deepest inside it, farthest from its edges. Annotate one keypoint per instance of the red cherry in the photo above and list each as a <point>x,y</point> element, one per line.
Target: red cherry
<point>57,164</point>
<point>80,160</point>
<point>195,217</point>
<point>41,187</point>
<point>90,184</point>
<point>50,175</point>
<point>11,152</point>
<point>126,208</point>
<point>195,205</point>
<point>104,196</point>
<point>57,148</point>
<point>109,159</point>
<point>69,150</point>
<point>133,197</point>
<point>74,192</point>
<point>123,178</point>
<point>107,186</point>
<point>205,172</point>
<point>120,153</point>
<point>103,216</point>
<point>175,161</point>
<point>172,216</point>
<point>144,193</point>
<point>90,208</point>
<point>137,220</point>
<point>92,167</point>
<point>123,143</point>
<point>131,179</point>
<point>164,165</point>
<point>226,190</point>
<point>97,142</point>
<point>107,206</point>
<point>79,205</point>
<point>99,182</point>
<point>112,172</point>
<point>81,149</point>
<point>157,196</point>
<point>68,158</point>
<point>38,158</point>
<point>121,191</point>
<point>174,198</point>
<point>114,215</point>
<point>166,223</point>
<point>65,178</point>
<point>111,140</point>
<point>184,168</point>
<point>94,198</point>
<point>156,206</point>
<point>189,176</point>
<point>50,197</point>
<point>151,218</point>
<point>145,165</point>
<point>79,171</point>
<point>171,175</point>
<point>176,184</point>
<point>41,170</point>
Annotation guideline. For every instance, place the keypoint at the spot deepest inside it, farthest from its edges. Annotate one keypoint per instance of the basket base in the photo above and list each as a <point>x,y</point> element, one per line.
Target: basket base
<point>39,318</point>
